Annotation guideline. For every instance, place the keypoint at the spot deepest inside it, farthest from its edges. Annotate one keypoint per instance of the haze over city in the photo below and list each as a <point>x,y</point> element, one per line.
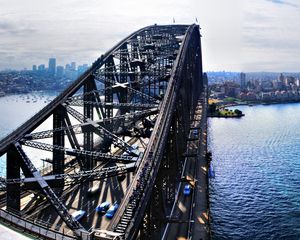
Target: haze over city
<point>258,35</point>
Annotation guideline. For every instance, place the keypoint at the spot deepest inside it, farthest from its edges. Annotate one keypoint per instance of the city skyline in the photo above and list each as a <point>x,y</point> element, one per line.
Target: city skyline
<point>239,35</point>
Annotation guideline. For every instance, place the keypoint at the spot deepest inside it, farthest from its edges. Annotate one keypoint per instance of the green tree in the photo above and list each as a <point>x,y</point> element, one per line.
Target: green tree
<point>212,108</point>
<point>238,112</point>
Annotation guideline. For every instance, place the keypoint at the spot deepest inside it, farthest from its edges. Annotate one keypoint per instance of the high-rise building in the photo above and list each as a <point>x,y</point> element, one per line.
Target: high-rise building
<point>59,71</point>
<point>82,68</point>
<point>41,68</point>
<point>243,80</point>
<point>34,68</point>
<point>52,66</point>
<point>281,78</point>
<point>73,65</point>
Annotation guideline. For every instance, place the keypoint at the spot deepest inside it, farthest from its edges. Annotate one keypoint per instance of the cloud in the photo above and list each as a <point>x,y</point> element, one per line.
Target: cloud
<point>236,33</point>
<point>282,2</point>
<point>15,29</point>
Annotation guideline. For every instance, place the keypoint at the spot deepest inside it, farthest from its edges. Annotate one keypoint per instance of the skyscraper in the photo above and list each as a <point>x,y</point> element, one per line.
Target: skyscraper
<point>34,68</point>
<point>52,66</point>
<point>243,80</point>
<point>281,78</point>
<point>41,68</point>
<point>73,66</point>
<point>59,71</point>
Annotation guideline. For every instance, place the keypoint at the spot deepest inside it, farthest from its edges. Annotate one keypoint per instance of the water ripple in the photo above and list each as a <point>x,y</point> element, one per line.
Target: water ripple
<point>256,192</point>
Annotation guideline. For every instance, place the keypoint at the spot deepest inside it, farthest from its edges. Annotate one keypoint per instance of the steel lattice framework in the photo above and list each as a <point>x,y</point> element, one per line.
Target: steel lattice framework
<point>145,87</point>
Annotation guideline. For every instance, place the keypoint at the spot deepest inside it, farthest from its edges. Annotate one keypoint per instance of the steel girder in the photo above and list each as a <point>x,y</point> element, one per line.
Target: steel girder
<point>99,156</point>
<point>183,82</point>
<point>139,73</point>
<point>49,193</point>
<point>71,178</point>
<point>77,129</point>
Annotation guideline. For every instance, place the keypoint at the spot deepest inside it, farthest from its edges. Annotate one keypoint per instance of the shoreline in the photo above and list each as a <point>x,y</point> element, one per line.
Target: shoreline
<point>257,103</point>
<point>221,116</point>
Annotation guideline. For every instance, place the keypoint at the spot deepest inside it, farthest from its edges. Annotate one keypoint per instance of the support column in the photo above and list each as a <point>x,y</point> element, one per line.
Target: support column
<point>109,79</point>
<point>88,140</point>
<point>13,190</point>
<point>59,140</point>
<point>123,75</point>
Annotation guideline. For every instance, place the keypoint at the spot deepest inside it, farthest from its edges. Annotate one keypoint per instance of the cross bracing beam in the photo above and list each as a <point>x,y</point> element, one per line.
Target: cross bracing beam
<point>92,126</point>
<point>98,129</point>
<point>51,196</point>
<point>142,95</point>
<point>127,118</point>
<point>149,65</point>
<point>115,88</point>
<point>72,178</point>
<point>49,133</point>
<point>157,74</point>
<point>77,115</point>
<point>99,156</point>
<point>131,106</point>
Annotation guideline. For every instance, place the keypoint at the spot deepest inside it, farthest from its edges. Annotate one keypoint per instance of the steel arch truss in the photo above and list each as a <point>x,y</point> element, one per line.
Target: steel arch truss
<point>130,92</point>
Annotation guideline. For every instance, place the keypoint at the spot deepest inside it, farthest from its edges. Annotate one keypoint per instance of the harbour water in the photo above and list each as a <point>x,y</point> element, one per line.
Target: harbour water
<point>256,191</point>
<point>16,109</point>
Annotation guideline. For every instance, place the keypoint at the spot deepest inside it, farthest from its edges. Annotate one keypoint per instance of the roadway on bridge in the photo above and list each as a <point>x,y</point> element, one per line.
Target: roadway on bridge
<point>189,213</point>
<point>200,217</point>
<point>76,198</point>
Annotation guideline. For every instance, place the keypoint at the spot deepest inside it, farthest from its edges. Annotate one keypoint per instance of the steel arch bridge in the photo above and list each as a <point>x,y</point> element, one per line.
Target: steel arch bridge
<point>131,112</point>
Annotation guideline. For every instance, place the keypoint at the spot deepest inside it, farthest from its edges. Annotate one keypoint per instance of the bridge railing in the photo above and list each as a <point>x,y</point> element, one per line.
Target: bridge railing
<point>34,228</point>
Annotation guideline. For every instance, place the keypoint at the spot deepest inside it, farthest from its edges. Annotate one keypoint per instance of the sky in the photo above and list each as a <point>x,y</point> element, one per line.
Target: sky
<point>237,35</point>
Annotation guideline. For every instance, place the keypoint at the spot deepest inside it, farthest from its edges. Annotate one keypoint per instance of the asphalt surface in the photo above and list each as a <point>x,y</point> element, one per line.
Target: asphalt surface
<point>76,198</point>
<point>189,217</point>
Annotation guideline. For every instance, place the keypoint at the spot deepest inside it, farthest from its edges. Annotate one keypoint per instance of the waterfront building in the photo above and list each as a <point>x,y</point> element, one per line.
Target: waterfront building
<point>250,96</point>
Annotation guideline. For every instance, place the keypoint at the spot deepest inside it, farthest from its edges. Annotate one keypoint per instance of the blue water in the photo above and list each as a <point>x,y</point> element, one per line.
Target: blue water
<point>256,191</point>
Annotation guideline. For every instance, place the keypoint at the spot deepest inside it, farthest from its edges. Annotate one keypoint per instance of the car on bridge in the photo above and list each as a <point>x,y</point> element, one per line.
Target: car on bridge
<point>103,207</point>
<point>93,190</point>
<point>195,132</point>
<point>112,210</point>
<point>77,215</point>
<point>187,190</point>
<point>121,177</point>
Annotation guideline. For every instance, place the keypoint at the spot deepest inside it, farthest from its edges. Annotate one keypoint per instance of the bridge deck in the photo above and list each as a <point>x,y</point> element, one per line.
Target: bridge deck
<point>200,226</point>
<point>189,215</point>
